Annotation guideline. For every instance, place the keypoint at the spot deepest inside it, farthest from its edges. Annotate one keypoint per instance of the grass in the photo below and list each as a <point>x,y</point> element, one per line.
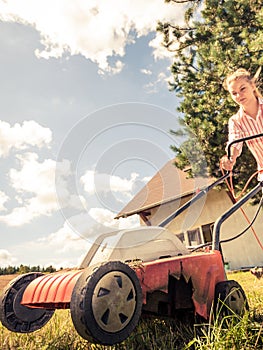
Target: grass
<point>231,332</point>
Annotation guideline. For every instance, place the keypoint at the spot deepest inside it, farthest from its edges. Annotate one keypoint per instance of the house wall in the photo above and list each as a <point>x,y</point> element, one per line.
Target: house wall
<point>240,253</point>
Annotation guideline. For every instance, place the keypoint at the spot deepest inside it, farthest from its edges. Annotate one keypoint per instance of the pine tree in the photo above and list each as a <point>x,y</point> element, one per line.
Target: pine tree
<point>218,37</point>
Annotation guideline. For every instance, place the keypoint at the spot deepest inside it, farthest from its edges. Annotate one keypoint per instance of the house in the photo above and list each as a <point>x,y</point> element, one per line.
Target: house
<point>171,187</point>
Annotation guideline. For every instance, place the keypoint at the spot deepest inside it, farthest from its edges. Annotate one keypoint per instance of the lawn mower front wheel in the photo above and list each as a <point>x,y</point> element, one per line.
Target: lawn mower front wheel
<point>106,303</point>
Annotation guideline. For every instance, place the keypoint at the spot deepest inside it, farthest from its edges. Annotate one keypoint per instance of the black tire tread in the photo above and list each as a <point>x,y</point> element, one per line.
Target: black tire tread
<point>81,308</point>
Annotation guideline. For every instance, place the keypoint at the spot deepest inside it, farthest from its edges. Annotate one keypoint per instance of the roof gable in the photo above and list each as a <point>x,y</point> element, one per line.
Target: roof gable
<point>168,184</point>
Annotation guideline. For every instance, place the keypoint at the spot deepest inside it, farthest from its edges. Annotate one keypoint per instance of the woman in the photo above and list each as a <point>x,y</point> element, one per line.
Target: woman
<point>248,120</point>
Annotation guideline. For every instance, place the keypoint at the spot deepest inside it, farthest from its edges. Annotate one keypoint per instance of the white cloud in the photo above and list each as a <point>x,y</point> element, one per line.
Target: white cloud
<point>3,199</point>
<point>146,179</point>
<point>81,230</point>
<point>36,189</point>
<point>34,176</point>
<point>146,71</point>
<point>66,197</point>
<point>20,137</point>
<point>94,182</point>
<point>6,258</point>
<point>95,29</point>
<point>152,87</point>
<point>64,239</point>
<point>78,234</point>
<point>53,251</point>
<point>68,246</point>
<point>106,217</point>
<point>42,188</point>
<point>159,51</point>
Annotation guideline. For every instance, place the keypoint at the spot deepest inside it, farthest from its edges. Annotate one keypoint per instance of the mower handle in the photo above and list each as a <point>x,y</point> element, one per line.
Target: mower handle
<point>208,188</point>
<point>237,205</point>
<point>200,194</point>
<point>229,212</point>
<point>241,140</point>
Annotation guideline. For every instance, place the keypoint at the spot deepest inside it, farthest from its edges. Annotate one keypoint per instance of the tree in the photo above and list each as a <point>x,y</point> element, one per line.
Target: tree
<point>23,269</point>
<point>218,37</point>
<point>50,269</point>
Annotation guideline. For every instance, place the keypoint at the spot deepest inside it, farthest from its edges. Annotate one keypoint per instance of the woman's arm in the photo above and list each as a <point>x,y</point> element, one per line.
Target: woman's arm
<point>228,164</point>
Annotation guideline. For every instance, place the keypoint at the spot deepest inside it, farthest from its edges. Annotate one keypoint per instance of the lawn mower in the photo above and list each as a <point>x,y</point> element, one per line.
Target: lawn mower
<point>126,275</point>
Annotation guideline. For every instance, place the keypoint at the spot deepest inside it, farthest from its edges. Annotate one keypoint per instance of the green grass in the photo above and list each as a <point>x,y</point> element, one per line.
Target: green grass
<point>235,333</point>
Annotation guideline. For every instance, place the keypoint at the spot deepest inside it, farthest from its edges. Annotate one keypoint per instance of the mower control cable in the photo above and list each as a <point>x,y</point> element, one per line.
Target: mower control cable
<point>236,198</point>
<point>194,199</point>
<point>239,234</point>
<point>229,212</point>
<point>248,227</point>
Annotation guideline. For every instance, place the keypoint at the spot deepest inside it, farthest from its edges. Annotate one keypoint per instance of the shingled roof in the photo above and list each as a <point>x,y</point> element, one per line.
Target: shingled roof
<point>168,184</point>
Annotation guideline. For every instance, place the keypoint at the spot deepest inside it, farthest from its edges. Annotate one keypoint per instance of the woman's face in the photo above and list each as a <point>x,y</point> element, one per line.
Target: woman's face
<point>242,91</point>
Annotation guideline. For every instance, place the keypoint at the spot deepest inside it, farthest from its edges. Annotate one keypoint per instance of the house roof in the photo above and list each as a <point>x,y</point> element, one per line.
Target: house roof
<point>168,184</point>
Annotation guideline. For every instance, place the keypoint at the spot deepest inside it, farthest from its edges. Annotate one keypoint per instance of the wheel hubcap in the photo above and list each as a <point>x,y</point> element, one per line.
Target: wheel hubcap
<point>236,301</point>
<point>114,301</point>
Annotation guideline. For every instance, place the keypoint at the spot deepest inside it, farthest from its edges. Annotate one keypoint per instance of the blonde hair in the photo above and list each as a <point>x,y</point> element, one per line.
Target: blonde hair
<point>242,73</point>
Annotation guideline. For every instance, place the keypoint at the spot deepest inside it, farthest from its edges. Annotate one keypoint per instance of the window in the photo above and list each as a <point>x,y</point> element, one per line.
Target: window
<point>194,237</point>
<point>207,232</point>
<point>181,237</point>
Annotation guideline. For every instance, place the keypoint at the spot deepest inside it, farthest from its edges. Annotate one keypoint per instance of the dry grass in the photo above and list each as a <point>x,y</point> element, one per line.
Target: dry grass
<point>60,334</point>
<point>5,279</point>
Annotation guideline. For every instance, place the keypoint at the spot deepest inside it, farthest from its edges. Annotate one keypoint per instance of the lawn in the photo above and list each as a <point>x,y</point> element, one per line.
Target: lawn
<point>246,334</point>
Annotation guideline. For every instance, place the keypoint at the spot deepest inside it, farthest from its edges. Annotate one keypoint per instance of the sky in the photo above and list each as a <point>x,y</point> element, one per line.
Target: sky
<point>86,114</point>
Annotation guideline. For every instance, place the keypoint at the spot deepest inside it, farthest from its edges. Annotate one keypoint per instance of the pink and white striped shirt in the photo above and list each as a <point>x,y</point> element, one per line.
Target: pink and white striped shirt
<point>242,125</point>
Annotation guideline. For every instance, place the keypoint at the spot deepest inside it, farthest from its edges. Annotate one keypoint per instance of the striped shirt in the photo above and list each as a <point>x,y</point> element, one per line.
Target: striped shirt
<point>242,125</point>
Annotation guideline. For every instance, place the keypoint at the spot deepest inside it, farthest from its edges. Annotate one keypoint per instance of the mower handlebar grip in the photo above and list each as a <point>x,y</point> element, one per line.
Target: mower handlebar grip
<point>241,140</point>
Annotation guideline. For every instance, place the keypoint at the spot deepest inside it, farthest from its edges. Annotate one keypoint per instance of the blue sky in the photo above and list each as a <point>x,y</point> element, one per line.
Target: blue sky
<point>85,119</point>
